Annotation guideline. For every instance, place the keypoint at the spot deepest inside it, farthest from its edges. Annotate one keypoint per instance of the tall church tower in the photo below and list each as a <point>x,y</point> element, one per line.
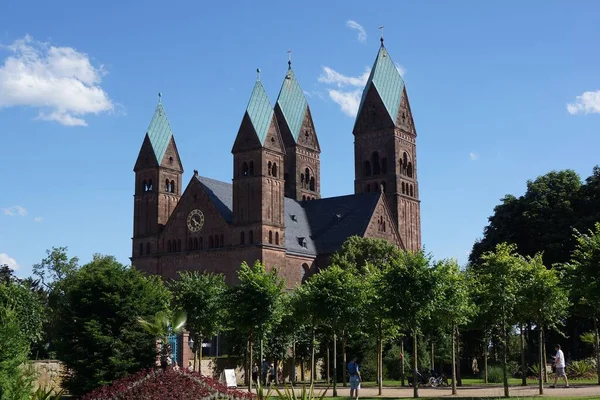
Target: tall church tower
<point>385,151</point>
<point>258,186</point>
<point>302,174</point>
<point>158,175</point>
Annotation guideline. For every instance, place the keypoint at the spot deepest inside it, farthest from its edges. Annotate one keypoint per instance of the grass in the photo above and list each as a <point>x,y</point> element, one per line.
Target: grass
<point>473,398</point>
<point>465,382</point>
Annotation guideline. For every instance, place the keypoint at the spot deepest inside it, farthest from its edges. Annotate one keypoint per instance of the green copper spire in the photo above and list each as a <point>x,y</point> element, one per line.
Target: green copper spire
<point>159,131</point>
<point>260,111</point>
<point>292,102</point>
<point>387,81</point>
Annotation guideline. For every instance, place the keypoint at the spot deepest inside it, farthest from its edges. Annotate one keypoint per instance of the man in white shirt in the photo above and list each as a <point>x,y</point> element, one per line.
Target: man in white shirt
<point>559,364</point>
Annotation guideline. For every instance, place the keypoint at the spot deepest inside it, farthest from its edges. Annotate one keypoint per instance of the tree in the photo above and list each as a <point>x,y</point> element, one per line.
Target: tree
<point>98,336</point>
<point>55,267</point>
<point>15,382</point>
<point>255,305</point>
<point>545,301</point>
<point>163,324</point>
<point>500,278</point>
<point>25,304</point>
<point>202,297</point>
<point>409,292</point>
<point>364,254</point>
<point>453,298</point>
<point>584,279</point>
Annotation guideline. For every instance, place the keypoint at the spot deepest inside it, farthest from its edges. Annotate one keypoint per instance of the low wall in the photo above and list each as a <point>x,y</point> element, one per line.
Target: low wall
<point>49,374</point>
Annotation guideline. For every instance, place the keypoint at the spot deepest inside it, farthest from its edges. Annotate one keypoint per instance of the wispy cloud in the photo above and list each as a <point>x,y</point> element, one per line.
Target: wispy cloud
<point>60,82</point>
<point>473,156</point>
<point>330,75</point>
<point>347,100</point>
<point>349,88</point>
<point>587,103</point>
<point>11,262</point>
<point>38,219</point>
<point>15,211</point>
<point>362,34</point>
<point>401,69</point>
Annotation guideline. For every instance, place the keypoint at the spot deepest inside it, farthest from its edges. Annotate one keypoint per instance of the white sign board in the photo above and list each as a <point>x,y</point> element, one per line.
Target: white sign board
<point>228,378</point>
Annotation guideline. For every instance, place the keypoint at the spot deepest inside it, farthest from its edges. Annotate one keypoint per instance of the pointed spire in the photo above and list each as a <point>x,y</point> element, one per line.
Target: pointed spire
<point>257,74</point>
<point>259,110</point>
<point>381,38</point>
<point>289,59</point>
<point>159,131</point>
<point>292,102</point>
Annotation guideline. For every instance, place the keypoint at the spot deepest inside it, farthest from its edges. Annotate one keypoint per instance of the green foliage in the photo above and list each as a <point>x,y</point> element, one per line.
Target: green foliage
<point>202,297</point>
<point>15,380</point>
<point>26,305</point>
<point>364,255</point>
<point>582,369</point>
<point>46,394</point>
<point>98,336</point>
<point>453,301</point>
<point>583,272</point>
<point>55,267</point>
<point>495,374</point>
<point>289,393</point>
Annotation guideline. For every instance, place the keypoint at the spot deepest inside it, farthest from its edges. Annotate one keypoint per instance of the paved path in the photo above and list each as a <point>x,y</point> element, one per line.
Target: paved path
<point>472,391</point>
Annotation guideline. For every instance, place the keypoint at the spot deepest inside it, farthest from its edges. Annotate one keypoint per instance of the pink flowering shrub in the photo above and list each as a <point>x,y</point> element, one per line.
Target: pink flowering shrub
<point>166,384</point>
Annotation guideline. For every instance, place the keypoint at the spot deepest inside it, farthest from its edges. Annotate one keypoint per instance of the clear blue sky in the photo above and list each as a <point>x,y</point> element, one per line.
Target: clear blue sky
<point>489,84</point>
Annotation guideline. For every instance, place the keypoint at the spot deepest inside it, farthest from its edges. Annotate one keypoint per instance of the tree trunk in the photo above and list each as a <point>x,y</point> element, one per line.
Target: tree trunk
<point>402,361</point>
<point>302,377</point>
<point>453,358</point>
<point>504,361</point>
<point>415,364</point>
<point>293,377</point>
<point>485,362</point>
<point>195,350</point>
<point>541,359</point>
<point>249,370</point>
<point>344,359</point>
<point>597,345</point>
<point>334,365</point>
<point>544,353</point>
<point>328,366</point>
<point>312,359</point>
<point>523,364</point>
<point>380,363</point>
<point>200,356</point>
<point>432,355</point>
<point>458,369</point>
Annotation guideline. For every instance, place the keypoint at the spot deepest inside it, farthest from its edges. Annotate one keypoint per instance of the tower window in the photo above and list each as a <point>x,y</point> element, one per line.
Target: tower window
<point>172,186</point>
<point>269,168</point>
<point>411,191</point>
<point>221,239</point>
<point>277,238</point>
<point>168,246</point>
<point>190,244</point>
<point>301,180</point>
<point>304,271</point>
<point>178,244</point>
<point>201,243</point>
<point>148,248</point>
<point>383,186</point>
<point>141,250</point>
<point>375,162</point>
<point>145,186</point>
<point>303,198</point>
<point>167,186</point>
<point>403,190</point>
<point>170,160</point>
<point>251,168</point>
<point>384,165</point>
<point>367,168</point>
<point>250,237</point>
<point>312,183</point>
<point>270,237</point>
<point>409,170</point>
<point>274,170</point>
<point>196,245</point>
<point>149,185</point>
<point>242,238</point>
<point>211,242</point>
<point>368,189</point>
<point>245,169</point>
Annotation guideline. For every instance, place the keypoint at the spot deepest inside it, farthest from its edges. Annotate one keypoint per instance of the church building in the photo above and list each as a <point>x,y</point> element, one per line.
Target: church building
<point>272,210</point>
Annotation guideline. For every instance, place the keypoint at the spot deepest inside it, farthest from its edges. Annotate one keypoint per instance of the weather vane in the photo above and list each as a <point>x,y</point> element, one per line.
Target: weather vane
<point>159,97</point>
<point>258,74</point>
<point>381,39</point>
<point>289,58</point>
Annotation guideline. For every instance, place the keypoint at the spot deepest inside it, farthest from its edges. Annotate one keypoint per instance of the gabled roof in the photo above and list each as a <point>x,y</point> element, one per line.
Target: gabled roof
<point>293,103</point>
<point>260,111</point>
<point>311,227</point>
<point>387,81</point>
<point>159,132</point>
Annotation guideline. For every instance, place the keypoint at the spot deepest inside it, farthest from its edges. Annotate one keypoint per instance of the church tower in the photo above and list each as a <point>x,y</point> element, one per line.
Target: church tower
<point>385,151</point>
<point>158,176</point>
<point>302,173</point>
<point>258,186</point>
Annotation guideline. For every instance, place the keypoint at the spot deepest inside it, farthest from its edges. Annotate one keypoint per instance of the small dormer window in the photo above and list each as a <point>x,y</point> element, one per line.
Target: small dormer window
<point>170,160</point>
<point>302,241</point>
<point>294,218</point>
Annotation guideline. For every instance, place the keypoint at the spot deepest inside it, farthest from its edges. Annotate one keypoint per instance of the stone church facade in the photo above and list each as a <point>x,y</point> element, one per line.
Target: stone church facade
<point>272,210</point>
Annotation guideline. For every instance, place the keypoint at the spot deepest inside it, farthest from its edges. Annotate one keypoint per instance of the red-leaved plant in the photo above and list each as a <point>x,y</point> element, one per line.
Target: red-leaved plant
<point>155,384</point>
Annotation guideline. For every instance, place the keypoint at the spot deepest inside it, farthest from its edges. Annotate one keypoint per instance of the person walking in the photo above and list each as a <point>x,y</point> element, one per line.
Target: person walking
<point>355,379</point>
<point>559,364</point>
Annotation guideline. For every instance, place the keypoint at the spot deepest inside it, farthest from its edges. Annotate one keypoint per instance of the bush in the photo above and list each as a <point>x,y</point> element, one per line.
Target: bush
<point>495,374</point>
<point>582,369</point>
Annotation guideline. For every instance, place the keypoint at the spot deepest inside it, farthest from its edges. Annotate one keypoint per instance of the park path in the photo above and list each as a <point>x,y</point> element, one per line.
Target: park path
<point>475,391</point>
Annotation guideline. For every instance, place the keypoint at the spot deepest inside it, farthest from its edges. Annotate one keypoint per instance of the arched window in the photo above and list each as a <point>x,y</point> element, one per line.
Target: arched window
<point>368,188</point>
<point>409,170</point>
<point>375,162</point>
<point>251,168</point>
<point>149,185</point>
<point>144,186</point>
<point>367,168</point>
<point>274,170</point>
<point>303,198</point>
<point>276,237</point>
<point>242,238</point>
<point>141,251</point>
<point>168,246</point>
<point>167,186</point>
<point>312,183</point>
<point>384,165</point>
<point>196,246</point>
<point>250,237</point>
<point>269,168</point>
<point>306,177</point>
<point>271,237</point>
<point>301,180</point>
<point>383,186</point>
<point>304,271</point>
<point>403,191</point>
<point>411,191</point>
<point>201,243</point>
<point>190,244</point>
<point>211,242</point>
<point>221,240</point>
<point>178,244</point>
<point>172,186</point>
<point>245,169</point>
<point>148,248</point>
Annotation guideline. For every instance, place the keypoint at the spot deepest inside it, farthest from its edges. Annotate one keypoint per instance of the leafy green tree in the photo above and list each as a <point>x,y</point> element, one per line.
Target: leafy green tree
<point>163,324</point>
<point>409,291</point>
<point>255,305</point>
<point>499,278</point>
<point>546,301</point>
<point>455,302</point>
<point>26,305</point>
<point>98,336</point>
<point>584,279</point>
<point>306,306</point>
<point>364,254</point>
<point>55,267</point>
<point>202,297</point>
<point>15,381</point>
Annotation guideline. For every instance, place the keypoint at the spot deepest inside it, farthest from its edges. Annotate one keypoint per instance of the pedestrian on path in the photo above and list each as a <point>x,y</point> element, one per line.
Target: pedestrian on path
<point>559,364</point>
<point>355,379</point>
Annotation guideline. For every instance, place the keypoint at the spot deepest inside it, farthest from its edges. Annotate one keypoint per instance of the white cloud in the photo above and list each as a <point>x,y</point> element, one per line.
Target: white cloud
<point>38,219</point>
<point>473,156</point>
<point>587,103</point>
<point>362,35</point>
<point>401,69</point>
<point>330,75</point>
<point>348,100</point>
<point>11,262</point>
<point>60,82</point>
<point>15,211</point>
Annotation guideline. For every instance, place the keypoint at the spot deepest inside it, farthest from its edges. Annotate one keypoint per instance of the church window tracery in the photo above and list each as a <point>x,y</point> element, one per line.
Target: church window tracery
<point>245,169</point>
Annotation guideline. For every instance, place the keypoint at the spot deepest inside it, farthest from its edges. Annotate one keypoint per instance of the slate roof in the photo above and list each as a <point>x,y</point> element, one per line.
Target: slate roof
<point>293,103</point>
<point>322,225</point>
<point>260,111</point>
<point>387,81</point>
<point>159,132</point>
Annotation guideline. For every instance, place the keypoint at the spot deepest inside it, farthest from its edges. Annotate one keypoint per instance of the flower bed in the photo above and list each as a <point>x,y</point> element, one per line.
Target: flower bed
<point>166,384</point>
